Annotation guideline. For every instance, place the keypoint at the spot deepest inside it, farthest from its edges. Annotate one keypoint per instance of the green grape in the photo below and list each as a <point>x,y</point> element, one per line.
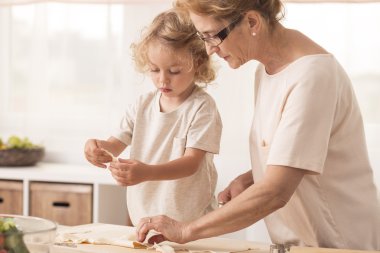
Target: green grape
<point>18,143</point>
<point>26,143</point>
<point>2,144</point>
<point>14,142</point>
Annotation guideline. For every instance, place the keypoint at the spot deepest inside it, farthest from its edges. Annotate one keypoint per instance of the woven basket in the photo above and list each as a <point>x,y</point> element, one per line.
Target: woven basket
<point>21,156</point>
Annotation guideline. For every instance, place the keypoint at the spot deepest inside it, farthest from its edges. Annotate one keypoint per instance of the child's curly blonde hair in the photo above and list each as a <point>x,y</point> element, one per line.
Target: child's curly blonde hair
<point>175,31</point>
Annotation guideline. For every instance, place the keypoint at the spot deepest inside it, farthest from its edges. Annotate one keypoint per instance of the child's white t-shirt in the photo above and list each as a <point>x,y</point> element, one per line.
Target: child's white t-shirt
<point>156,138</point>
<point>307,117</point>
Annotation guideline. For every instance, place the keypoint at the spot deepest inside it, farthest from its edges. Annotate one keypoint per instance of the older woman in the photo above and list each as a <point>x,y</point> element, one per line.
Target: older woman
<point>311,179</point>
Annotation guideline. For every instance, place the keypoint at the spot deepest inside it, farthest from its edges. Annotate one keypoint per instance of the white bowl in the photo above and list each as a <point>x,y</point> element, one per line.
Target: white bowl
<point>37,234</point>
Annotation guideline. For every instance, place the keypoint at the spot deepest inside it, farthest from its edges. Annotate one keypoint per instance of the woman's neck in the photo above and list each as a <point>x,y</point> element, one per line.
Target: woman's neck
<point>285,46</point>
<point>276,54</point>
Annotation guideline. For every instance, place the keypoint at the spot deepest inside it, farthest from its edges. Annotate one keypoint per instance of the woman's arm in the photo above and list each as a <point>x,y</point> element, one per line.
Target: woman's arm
<point>256,202</point>
<point>259,200</point>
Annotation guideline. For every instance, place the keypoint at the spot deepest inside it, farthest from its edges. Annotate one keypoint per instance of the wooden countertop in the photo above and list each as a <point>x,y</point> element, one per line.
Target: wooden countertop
<point>325,250</point>
<point>121,235</point>
<point>115,249</point>
<point>88,248</point>
<point>210,245</point>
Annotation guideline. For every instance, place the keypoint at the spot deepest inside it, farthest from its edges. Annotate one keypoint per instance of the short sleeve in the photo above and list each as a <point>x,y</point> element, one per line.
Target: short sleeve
<point>124,132</point>
<point>206,128</point>
<point>302,137</point>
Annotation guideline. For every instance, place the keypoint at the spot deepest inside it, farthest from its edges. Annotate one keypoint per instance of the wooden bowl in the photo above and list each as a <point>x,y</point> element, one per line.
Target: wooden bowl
<point>21,156</point>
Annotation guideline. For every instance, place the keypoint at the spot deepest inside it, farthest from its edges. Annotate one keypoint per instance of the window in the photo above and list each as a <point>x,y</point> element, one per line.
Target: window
<point>66,71</point>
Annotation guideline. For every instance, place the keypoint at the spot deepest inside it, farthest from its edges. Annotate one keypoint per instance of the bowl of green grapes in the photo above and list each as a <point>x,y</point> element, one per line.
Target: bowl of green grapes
<point>26,234</point>
<point>17,151</point>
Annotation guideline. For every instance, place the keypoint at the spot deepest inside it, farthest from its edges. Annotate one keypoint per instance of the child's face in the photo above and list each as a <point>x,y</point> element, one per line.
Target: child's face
<point>172,71</point>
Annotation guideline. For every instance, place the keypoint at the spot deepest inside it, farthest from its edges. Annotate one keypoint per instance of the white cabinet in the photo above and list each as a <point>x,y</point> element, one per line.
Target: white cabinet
<point>68,194</point>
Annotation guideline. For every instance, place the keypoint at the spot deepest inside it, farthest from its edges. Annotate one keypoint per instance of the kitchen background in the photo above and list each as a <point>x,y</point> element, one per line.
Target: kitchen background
<point>66,74</point>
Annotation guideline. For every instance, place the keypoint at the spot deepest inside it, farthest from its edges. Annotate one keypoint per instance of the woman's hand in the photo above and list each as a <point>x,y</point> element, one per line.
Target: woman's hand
<point>237,186</point>
<point>168,229</point>
<point>129,172</point>
<point>95,153</point>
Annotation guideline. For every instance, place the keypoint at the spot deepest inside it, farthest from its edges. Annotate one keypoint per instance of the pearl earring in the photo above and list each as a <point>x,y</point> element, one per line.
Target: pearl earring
<point>253,34</point>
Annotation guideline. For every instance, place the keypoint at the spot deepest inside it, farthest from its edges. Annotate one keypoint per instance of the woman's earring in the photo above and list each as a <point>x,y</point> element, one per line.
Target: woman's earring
<point>253,34</point>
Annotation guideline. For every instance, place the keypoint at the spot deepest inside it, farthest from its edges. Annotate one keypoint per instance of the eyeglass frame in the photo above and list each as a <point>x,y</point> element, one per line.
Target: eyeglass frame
<point>222,34</point>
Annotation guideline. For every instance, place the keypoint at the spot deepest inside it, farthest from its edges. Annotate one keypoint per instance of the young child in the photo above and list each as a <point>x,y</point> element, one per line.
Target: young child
<point>173,131</point>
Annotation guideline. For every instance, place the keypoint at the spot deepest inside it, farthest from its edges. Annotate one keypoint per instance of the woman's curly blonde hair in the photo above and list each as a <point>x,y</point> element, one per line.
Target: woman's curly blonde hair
<point>174,30</point>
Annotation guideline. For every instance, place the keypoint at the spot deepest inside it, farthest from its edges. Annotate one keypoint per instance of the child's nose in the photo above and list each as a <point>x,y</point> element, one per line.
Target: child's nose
<point>163,78</point>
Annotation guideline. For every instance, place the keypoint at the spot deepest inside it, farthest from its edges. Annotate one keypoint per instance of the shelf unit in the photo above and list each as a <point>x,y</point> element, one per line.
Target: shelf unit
<point>108,199</point>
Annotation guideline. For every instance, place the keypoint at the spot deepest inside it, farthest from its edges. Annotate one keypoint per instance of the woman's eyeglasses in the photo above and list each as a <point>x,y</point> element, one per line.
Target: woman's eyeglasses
<point>218,38</point>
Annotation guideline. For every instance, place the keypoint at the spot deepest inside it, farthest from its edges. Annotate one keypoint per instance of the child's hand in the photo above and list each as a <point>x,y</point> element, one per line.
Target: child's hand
<point>95,154</point>
<point>129,172</point>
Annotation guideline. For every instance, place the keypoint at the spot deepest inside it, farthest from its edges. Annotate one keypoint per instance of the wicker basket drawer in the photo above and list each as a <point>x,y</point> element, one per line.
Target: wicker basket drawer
<point>11,197</point>
<point>67,204</point>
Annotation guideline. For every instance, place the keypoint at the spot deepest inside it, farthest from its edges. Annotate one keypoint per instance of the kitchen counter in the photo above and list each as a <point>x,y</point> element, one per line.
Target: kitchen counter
<point>69,173</point>
<point>210,245</point>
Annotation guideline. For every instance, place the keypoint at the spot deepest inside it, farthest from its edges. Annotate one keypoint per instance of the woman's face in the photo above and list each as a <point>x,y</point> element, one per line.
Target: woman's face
<point>233,49</point>
<point>171,71</point>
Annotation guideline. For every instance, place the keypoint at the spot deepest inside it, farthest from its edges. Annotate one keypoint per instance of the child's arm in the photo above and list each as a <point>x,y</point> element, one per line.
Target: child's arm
<point>99,152</point>
<point>185,166</point>
<point>131,172</point>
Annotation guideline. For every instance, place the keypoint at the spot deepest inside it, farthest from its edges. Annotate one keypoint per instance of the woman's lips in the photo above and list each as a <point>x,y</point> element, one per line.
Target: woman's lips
<point>226,58</point>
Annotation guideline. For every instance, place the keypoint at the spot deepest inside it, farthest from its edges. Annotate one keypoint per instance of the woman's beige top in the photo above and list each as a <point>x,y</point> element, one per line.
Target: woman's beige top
<point>307,117</point>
